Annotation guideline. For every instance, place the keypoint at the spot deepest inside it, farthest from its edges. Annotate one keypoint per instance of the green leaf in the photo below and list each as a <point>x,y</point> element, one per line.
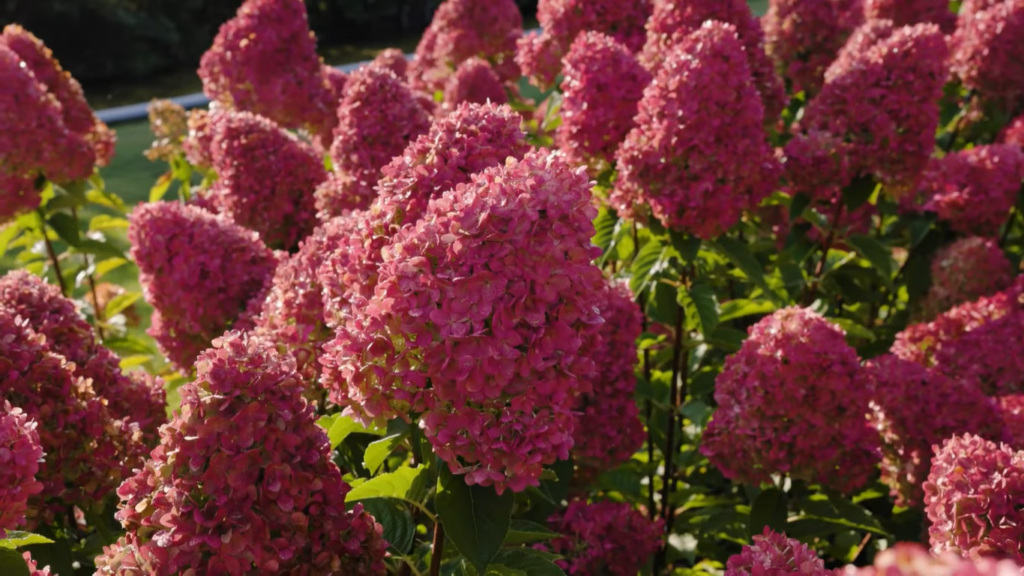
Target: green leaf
<point>524,531</point>
<point>105,266</point>
<point>163,183</point>
<point>739,254</point>
<point>701,307</point>
<point>646,265</point>
<point>687,246</point>
<point>409,484</point>
<point>769,509</point>
<point>859,192</point>
<point>853,329</point>
<point>17,539</point>
<point>475,518</point>
<point>107,222</point>
<point>837,510</point>
<point>798,204</point>
<point>399,527</point>
<point>97,248</point>
<point>12,564</point>
<point>8,233</point>
<point>741,308</point>
<point>66,227</point>
<point>604,228</point>
<point>875,253</point>
<point>119,303</point>
<point>58,556</point>
<point>377,452</point>
<point>529,561</point>
<point>342,426</point>
<point>107,199</point>
<point>728,339</point>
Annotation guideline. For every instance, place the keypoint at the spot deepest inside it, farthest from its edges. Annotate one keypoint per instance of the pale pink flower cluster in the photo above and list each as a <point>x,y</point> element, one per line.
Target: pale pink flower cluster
<point>910,12</point>
<point>562,21</point>
<point>265,177</point>
<point>1013,133</point>
<point>196,144</point>
<point>20,453</point>
<point>914,408</point>
<point>242,482</point>
<point>793,400</point>
<point>803,37</point>
<point>973,496</point>
<point>168,122</point>
<point>912,559</point>
<point>698,155</point>
<point>964,271</point>
<point>603,538</point>
<point>602,87</point>
<point>462,29</point>
<point>198,270</point>
<point>986,50</point>
<point>476,82</point>
<point>772,554</point>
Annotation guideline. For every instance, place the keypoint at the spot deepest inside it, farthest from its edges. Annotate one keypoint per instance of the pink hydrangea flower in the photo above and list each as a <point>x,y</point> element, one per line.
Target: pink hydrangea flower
<point>816,165</point>
<point>915,407</point>
<point>910,12</point>
<point>673,22</point>
<point>1013,133</point>
<point>462,29</point>
<point>265,177</point>
<point>773,553</point>
<point>33,568</point>
<point>20,453</point>
<point>1011,407</point>
<point>698,155</point>
<point>603,538</point>
<point>168,122</point>
<point>974,189</point>
<point>986,51</point>
<point>912,559</point>
<point>562,21</point>
<point>503,361</point>
<point>602,88</point>
<point>964,271</point>
<point>972,498</point>
<point>609,430</point>
<point>242,482</point>
<point>992,355</point>
<point>392,59</point>
<point>881,97</point>
<point>476,82</point>
<point>803,37</point>
<point>196,144</point>
<point>377,119</point>
<point>264,61</point>
<point>198,271</point>
<point>793,401</point>
<point>78,116</point>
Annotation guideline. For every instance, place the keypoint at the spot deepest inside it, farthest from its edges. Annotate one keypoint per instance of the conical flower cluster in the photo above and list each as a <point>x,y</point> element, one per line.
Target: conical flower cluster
<point>20,453</point>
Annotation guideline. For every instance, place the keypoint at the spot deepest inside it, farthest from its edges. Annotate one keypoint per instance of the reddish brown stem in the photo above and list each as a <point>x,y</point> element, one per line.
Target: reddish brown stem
<point>52,253</point>
<point>437,549</point>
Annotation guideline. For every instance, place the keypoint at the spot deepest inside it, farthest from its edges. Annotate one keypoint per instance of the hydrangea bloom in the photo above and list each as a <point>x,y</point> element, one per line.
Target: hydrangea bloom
<point>792,401</point>
<point>492,296</point>
<point>264,61</point>
<point>915,407</point>
<point>33,568</point>
<point>78,117</point>
<point>602,88</point>
<point>476,82</point>
<point>698,155</point>
<point>198,271</point>
<point>986,51</point>
<point>912,559</point>
<point>773,553</point>
<point>803,38</point>
<point>462,29</point>
<point>168,122</point>
<point>392,59</point>
<point>20,453</point>
<point>242,482</point>
<point>562,21</point>
<point>603,538</point>
<point>265,177</point>
<point>197,144</point>
<point>881,98</point>
<point>1011,407</point>
<point>910,12</point>
<point>816,165</point>
<point>974,189</point>
<point>1013,133</point>
<point>964,271</point>
<point>377,119</point>
<point>609,430</point>
<point>972,498</point>
<point>673,22</point>
<point>992,355</point>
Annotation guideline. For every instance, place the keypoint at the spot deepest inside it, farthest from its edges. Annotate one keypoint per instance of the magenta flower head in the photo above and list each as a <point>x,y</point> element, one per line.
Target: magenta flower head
<point>1011,408</point>
<point>242,482</point>
<point>986,51</point>
<point>972,498</point>
<point>377,119</point>
<point>33,568</point>
<point>792,401</point>
<point>772,553</point>
<point>264,61</point>
<point>673,22</point>
<point>912,559</point>
<point>78,116</point>
<point>991,355</point>
<point>1013,134</point>
<point>503,362</point>
<point>602,88</point>
<point>964,271</point>
<point>393,59</point>
<point>699,154</point>
<point>974,189</point>
<point>603,538</point>
<point>265,177</point>
<point>476,82</point>
<point>562,21</point>
<point>609,430</point>
<point>462,29</point>
<point>198,271</point>
<point>910,12</point>
<point>816,165</point>
<point>881,98</point>
<point>916,407</point>
<point>803,38</point>
<point>20,453</point>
